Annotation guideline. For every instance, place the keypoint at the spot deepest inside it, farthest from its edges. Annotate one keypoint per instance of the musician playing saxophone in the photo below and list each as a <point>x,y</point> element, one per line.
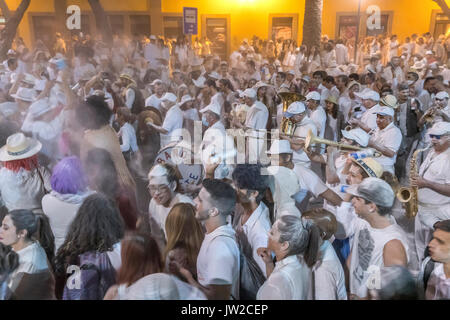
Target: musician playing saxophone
<point>440,111</point>
<point>433,183</point>
<point>302,124</point>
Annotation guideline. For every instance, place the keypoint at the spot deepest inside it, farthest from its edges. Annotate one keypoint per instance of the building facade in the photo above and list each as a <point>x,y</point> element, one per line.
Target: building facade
<point>227,22</point>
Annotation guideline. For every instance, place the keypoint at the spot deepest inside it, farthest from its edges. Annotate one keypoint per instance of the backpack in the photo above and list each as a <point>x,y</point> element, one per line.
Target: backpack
<point>96,276</point>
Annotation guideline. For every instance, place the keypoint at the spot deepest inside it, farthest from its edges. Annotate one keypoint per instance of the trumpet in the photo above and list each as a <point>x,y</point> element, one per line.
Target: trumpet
<point>312,139</point>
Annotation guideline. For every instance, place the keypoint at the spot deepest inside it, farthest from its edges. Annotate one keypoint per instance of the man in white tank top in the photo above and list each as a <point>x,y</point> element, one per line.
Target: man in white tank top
<point>378,241</point>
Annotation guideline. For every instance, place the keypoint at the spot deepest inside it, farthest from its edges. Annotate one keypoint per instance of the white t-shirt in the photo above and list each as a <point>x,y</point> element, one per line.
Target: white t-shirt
<point>257,116</point>
<point>128,135</point>
<point>160,213</point>
<point>153,101</point>
<point>367,246</point>
<point>319,117</point>
<point>391,138</point>
<point>369,118</point>
<point>308,180</point>
<point>218,260</point>
<point>172,122</point>
<point>329,278</point>
<point>290,280</point>
<point>438,287</point>
<point>301,130</point>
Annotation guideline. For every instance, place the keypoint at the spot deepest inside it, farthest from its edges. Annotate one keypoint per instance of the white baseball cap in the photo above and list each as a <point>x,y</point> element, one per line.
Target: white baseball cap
<point>250,93</point>
<point>280,146</point>
<point>156,81</point>
<point>296,107</point>
<point>374,190</point>
<point>358,135</point>
<point>313,95</point>
<point>213,107</point>
<point>368,95</point>
<point>442,95</point>
<point>386,111</point>
<point>440,128</point>
<point>153,37</point>
<point>429,52</point>
<point>169,96</point>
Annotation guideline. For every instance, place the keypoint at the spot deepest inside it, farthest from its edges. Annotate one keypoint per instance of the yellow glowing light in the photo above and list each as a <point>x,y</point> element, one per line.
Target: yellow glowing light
<point>448,32</point>
<point>247,1</point>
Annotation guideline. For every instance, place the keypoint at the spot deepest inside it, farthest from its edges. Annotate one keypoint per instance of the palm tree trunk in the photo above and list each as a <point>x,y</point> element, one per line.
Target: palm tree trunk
<point>102,21</point>
<point>444,7</point>
<point>5,10</point>
<point>312,23</point>
<point>9,32</point>
<point>60,7</point>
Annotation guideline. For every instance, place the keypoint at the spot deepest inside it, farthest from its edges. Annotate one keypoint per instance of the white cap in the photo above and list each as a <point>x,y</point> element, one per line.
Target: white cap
<point>169,96</point>
<point>296,107</point>
<point>313,95</point>
<point>442,95</point>
<point>11,51</point>
<point>40,107</point>
<point>291,72</point>
<point>186,98</point>
<point>214,75</point>
<point>213,107</point>
<point>152,37</point>
<point>250,93</point>
<point>429,52</point>
<point>156,81</point>
<point>440,128</point>
<point>369,95</point>
<point>374,190</point>
<point>386,111</point>
<point>358,135</point>
<point>280,146</point>
<point>200,82</point>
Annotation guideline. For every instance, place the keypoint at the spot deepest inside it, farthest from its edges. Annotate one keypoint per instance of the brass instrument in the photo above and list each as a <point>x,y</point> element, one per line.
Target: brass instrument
<point>408,195</point>
<point>287,126</point>
<point>312,139</point>
<point>429,116</point>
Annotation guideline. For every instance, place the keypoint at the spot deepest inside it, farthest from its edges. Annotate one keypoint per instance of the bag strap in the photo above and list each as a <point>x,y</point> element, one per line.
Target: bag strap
<point>42,181</point>
<point>428,269</point>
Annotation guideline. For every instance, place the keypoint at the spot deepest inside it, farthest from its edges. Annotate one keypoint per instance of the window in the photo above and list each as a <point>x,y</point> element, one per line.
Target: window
<point>117,23</point>
<point>140,25</point>
<point>44,29</point>
<point>442,25</point>
<point>173,27</point>
<point>383,27</point>
<point>282,28</point>
<point>217,33</point>
<point>85,26</point>
<point>348,26</point>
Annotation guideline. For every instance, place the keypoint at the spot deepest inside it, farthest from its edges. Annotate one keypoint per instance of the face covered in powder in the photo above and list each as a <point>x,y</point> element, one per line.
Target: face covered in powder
<point>159,186</point>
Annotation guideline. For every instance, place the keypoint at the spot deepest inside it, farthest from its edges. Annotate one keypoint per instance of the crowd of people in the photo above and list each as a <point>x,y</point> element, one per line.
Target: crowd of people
<point>154,169</point>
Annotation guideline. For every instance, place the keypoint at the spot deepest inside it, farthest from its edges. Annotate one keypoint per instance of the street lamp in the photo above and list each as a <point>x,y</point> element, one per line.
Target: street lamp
<point>357,30</point>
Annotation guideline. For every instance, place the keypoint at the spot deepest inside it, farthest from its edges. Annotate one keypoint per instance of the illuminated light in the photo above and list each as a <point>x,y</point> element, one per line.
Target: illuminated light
<point>447,33</point>
<point>247,1</point>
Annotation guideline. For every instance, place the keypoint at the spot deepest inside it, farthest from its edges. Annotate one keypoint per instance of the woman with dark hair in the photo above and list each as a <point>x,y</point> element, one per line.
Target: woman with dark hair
<point>94,115</point>
<point>9,261</point>
<point>140,276</point>
<point>31,238</point>
<point>92,244</point>
<point>296,243</point>
<point>69,189</point>
<point>335,120</point>
<point>184,238</point>
<point>102,177</point>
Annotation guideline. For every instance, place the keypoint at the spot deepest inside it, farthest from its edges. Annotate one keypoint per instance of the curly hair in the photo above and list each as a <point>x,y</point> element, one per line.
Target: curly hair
<point>96,227</point>
<point>248,176</point>
<point>93,113</point>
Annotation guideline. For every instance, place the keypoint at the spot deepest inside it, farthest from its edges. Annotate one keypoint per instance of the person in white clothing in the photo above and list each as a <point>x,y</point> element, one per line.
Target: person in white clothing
<point>387,138</point>
<point>329,278</point>
<point>163,187</point>
<point>433,182</point>
<point>126,133</point>
<point>368,121</point>
<point>295,243</point>
<point>155,99</point>
<point>377,240</point>
<point>218,261</point>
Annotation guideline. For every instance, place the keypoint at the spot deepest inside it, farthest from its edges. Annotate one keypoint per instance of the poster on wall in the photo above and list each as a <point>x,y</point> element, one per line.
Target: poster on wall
<point>190,20</point>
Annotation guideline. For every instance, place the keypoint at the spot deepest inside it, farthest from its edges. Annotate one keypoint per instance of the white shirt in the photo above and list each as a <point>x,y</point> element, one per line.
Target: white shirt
<point>172,122</point>
<point>367,246</point>
<point>341,54</point>
<point>128,135</point>
<point>301,130</point>
<point>256,229</point>
<point>319,117</point>
<point>438,287</point>
<point>257,116</point>
<point>160,213</point>
<point>290,280</point>
<point>153,101</point>
<point>329,278</point>
<point>308,180</point>
<point>218,260</point>
<point>369,118</point>
<point>391,138</point>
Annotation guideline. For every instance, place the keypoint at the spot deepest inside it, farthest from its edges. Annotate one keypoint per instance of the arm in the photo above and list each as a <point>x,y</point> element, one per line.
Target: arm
<point>383,149</point>
<point>330,169</point>
<point>212,292</point>
<point>360,124</point>
<point>159,129</point>
<point>394,254</point>
<point>440,188</point>
<point>332,197</point>
<point>346,220</point>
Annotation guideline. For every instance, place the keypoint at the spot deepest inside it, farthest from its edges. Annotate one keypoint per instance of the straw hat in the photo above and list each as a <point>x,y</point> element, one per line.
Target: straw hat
<point>332,99</point>
<point>19,147</point>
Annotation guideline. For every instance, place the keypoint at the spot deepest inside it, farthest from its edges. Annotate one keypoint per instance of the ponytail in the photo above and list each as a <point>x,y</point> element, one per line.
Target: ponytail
<point>312,250</point>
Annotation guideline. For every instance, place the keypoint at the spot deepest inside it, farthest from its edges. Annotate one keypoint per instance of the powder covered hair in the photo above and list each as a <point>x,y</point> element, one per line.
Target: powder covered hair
<point>68,176</point>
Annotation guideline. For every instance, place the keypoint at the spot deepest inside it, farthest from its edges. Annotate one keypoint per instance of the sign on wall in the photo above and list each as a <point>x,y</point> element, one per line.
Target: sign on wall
<point>190,20</point>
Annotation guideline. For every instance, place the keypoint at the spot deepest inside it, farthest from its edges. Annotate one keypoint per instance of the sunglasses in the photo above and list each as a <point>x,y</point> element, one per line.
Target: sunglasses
<point>437,136</point>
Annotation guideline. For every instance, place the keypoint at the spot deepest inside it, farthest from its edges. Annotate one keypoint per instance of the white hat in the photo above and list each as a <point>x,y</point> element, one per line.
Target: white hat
<point>358,135</point>
<point>260,84</point>
<point>389,101</point>
<point>386,111</point>
<point>29,79</point>
<point>11,51</point>
<point>213,107</point>
<point>200,82</point>
<point>169,96</point>
<point>250,93</point>
<point>292,72</point>
<point>313,95</point>
<point>442,95</point>
<point>374,190</point>
<point>40,107</point>
<point>296,107</point>
<point>306,78</point>
<point>185,98</point>
<point>369,95</point>
<point>25,94</point>
<point>214,75</point>
<point>429,52</point>
<point>152,37</point>
<point>280,146</point>
<point>440,128</point>
<point>156,81</point>
<point>18,147</point>
<point>418,65</point>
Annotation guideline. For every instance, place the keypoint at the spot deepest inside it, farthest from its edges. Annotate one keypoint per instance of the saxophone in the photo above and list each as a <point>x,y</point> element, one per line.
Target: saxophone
<point>408,195</point>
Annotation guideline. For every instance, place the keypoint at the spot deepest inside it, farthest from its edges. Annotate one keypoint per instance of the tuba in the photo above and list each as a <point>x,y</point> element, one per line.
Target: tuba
<point>408,195</point>
<point>287,126</point>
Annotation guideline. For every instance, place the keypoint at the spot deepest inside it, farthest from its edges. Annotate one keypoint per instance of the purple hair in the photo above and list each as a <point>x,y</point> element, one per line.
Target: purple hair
<point>68,176</point>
